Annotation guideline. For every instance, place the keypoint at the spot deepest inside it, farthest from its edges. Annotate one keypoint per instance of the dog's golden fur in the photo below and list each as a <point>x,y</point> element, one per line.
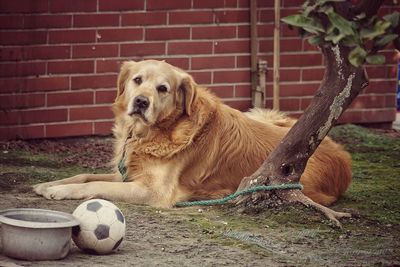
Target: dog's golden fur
<point>188,145</point>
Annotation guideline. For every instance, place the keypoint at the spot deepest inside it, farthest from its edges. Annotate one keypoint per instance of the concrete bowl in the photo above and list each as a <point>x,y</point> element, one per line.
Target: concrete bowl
<point>36,234</point>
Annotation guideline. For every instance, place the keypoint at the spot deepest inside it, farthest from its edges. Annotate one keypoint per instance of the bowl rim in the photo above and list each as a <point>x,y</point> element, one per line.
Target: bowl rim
<point>71,220</point>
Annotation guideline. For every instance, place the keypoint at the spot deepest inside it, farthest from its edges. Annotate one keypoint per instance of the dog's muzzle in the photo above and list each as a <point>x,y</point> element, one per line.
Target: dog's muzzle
<point>140,105</point>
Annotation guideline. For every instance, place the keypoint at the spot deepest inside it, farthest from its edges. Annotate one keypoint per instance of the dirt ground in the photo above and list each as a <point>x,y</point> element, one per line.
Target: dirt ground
<point>219,236</point>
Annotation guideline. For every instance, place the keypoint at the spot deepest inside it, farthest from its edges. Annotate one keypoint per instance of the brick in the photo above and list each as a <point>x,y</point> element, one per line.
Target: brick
<point>266,15</point>
<point>305,102</point>
<point>9,117</point>
<point>94,51</point>
<point>76,6</point>
<point>94,81</point>
<point>242,105</point>
<point>103,127</point>
<point>24,6</point>
<point>241,46</point>
<point>22,69</point>
<point>300,60</point>
<point>143,49</point>
<point>287,32</point>
<point>108,65</point>
<point>121,34</point>
<point>368,116</point>
<point>264,30</point>
<point>191,17</point>
<point>77,66</point>
<point>72,36</point>
<point>90,113</point>
<point>11,85</point>
<point>381,87</point>
<point>314,74</point>
<point>214,4</point>
<point>243,90</point>
<point>201,77</point>
<point>105,96</point>
<point>378,72</point>
<point>287,75</point>
<point>22,132</point>
<point>368,101</point>
<point>214,32</point>
<point>290,45</point>
<point>192,48</point>
<point>296,89</point>
<point>144,18</point>
<point>96,20</point>
<point>11,53</point>
<point>120,5</point>
<point>23,38</point>
<point>222,91</point>
<point>43,115</point>
<point>179,62</point>
<point>47,21</point>
<point>391,101</point>
<point>11,22</point>
<point>69,98</point>
<point>293,3</point>
<point>69,129</point>
<point>308,47</point>
<point>244,61</point>
<point>171,4</point>
<point>46,52</point>
<point>232,16</point>
<point>165,33</point>
<point>22,101</point>
<point>236,76</point>
<point>46,84</point>
<point>266,46</point>
<point>286,104</point>
<point>214,62</point>
<point>243,31</point>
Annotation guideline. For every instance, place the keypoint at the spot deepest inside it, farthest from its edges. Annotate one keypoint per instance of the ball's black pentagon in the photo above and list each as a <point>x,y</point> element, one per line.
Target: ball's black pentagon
<point>90,251</point>
<point>93,206</point>
<point>76,230</point>
<point>120,217</point>
<point>102,231</point>
<point>118,243</point>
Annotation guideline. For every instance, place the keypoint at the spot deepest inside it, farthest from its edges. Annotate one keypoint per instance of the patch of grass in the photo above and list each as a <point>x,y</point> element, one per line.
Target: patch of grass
<point>374,191</point>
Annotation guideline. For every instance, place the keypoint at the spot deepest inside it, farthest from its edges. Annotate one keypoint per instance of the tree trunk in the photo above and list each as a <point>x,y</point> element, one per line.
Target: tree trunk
<point>342,82</point>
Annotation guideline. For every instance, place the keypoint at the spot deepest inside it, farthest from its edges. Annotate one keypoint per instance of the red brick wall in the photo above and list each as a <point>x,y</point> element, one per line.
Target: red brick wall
<point>60,59</point>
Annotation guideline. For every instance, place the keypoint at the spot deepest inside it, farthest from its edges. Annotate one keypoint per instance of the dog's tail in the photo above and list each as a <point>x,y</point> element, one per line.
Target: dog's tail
<point>277,118</point>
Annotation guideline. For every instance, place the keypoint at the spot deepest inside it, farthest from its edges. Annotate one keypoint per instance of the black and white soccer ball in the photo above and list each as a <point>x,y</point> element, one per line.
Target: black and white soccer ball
<point>101,229</point>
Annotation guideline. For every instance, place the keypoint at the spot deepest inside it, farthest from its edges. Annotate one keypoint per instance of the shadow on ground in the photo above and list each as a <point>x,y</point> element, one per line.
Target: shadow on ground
<point>217,236</point>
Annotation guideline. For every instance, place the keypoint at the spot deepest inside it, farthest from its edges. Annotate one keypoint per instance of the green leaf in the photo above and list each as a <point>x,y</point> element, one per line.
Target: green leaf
<point>334,37</point>
<point>309,24</point>
<point>351,41</point>
<point>378,29</point>
<point>315,40</point>
<point>357,56</point>
<point>376,59</point>
<point>384,40</point>
<point>393,18</point>
<point>341,23</point>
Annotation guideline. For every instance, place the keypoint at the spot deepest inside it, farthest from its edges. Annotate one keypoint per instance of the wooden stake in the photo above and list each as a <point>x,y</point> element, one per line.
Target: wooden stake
<point>276,55</point>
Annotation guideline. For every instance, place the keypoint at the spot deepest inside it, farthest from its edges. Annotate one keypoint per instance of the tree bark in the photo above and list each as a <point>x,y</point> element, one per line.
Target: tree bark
<point>341,84</point>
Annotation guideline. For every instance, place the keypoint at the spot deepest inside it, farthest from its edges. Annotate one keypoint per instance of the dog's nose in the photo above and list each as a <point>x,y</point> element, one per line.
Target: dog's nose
<point>141,102</point>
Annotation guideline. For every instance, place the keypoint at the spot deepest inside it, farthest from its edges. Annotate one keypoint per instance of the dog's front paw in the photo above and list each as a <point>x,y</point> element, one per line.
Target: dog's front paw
<point>41,188</point>
<point>59,192</point>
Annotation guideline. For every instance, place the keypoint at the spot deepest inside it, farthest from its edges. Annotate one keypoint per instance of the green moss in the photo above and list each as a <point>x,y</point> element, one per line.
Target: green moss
<point>374,191</point>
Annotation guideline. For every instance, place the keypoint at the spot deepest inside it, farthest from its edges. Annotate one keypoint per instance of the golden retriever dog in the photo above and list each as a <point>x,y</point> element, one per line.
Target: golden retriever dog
<point>179,142</point>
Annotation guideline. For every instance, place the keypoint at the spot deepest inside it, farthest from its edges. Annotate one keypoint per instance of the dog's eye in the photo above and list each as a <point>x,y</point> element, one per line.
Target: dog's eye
<point>162,88</point>
<point>138,80</point>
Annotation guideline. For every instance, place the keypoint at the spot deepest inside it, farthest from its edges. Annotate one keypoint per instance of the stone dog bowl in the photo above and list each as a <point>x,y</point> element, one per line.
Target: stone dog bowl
<point>36,234</point>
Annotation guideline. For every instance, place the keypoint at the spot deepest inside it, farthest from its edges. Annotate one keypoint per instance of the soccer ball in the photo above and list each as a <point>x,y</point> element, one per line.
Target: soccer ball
<point>101,229</point>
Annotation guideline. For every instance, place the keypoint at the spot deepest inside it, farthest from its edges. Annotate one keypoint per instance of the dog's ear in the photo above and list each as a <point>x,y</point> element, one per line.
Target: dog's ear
<point>123,76</point>
<point>188,89</point>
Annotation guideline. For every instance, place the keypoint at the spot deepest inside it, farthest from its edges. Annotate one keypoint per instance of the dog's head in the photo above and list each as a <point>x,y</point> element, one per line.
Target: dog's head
<point>150,92</point>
